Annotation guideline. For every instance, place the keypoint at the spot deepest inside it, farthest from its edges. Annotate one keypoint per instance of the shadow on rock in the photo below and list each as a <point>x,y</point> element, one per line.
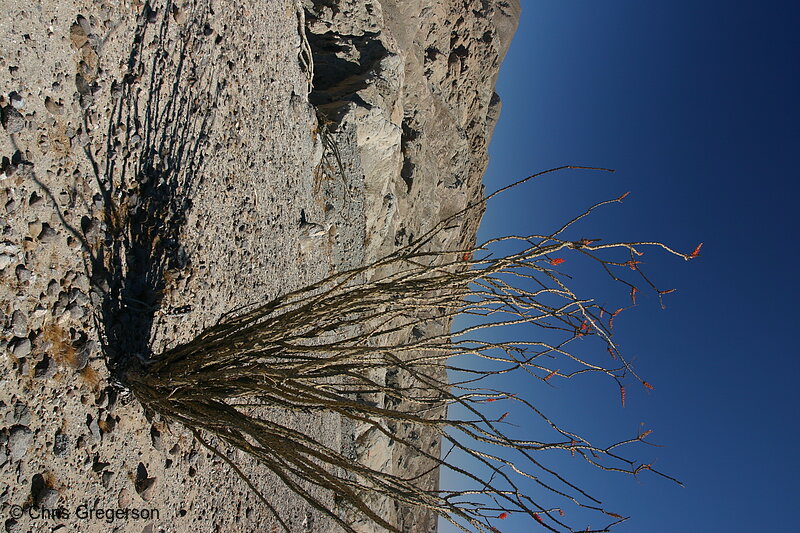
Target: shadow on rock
<point>155,152</point>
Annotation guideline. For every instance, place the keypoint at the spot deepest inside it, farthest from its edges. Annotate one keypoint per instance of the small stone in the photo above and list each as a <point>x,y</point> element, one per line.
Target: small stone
<point>11,206</point>
<point>94,428</point>
<point>106,478</point>
<point>78,296</point>
<point>83,88</point>
<point>12,120</point>
<point>19,439</point>
<point>144,484</point>
<point>76,312</point>
<point>82,355</point>
<point>78,35</point>
<point>53,288</point>
<point>58,310</point>
<point>22,348</point>
<point>6,259</point>
<point>19,324</point>
<point>87,101</point>
<point>124,498</point>
<point>35,199</point>
<point>55,108</point>
<point>48,234</point>
<point>45,369</point>
<point>20,415</point>
<point>48,498</point>
<point>17,102</point>
<point>34,228</point>
<point>23,274</point>
<point>60,444</point>
<point>12,526</point>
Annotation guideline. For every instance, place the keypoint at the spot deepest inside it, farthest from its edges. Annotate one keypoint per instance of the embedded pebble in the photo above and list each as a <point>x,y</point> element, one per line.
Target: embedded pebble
<point>20,415</point>
<point>144,484</point>
<point>48,234</point>
<point>19,439</point>
<point>60,444</point>
<point>12,120</point>
<point>23,274</point>
<point>48,498</point>
<point>22,348</point>
<point>94,428</point>
<point>17,102</point>
<point>77,34</point>
<point>45,369</point>
<point>19,324</point>
<point>53,107</point>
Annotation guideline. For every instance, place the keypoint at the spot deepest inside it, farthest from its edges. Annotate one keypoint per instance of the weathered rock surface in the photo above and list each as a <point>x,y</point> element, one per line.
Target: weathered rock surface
<point>410,85</point>
<point>224,98</point>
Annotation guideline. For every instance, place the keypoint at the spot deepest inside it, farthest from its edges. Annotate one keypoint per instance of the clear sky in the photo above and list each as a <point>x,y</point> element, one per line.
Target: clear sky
<point>695,104</point>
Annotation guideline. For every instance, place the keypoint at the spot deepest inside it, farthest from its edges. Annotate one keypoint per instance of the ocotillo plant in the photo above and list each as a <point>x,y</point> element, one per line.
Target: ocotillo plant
<point>322,349</point>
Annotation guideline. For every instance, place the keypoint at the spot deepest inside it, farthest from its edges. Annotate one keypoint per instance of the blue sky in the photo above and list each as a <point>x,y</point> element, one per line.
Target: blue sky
<point>695,104</point>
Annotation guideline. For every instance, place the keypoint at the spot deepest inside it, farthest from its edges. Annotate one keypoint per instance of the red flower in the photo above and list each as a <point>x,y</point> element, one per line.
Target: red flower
<point>502,516</point>
<point>557,261</point>
<point>467,256</point>
<point>647,385</point>
<point>668,291</point>
<point>622,394</point>
<point>632,264</point>
<point>634,290</point>
<point>538,518</point>
<point>696,251</point>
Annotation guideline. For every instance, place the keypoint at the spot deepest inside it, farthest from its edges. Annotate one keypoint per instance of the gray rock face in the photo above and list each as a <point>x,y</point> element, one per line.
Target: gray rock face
<point>409,89</point>
<point>368,120</point>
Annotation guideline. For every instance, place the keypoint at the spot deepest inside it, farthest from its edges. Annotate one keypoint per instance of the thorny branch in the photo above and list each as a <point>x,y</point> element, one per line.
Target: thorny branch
<point>328,348</point>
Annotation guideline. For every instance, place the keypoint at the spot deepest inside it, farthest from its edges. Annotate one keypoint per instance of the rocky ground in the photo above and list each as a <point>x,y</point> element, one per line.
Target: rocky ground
<point>207,130</point>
